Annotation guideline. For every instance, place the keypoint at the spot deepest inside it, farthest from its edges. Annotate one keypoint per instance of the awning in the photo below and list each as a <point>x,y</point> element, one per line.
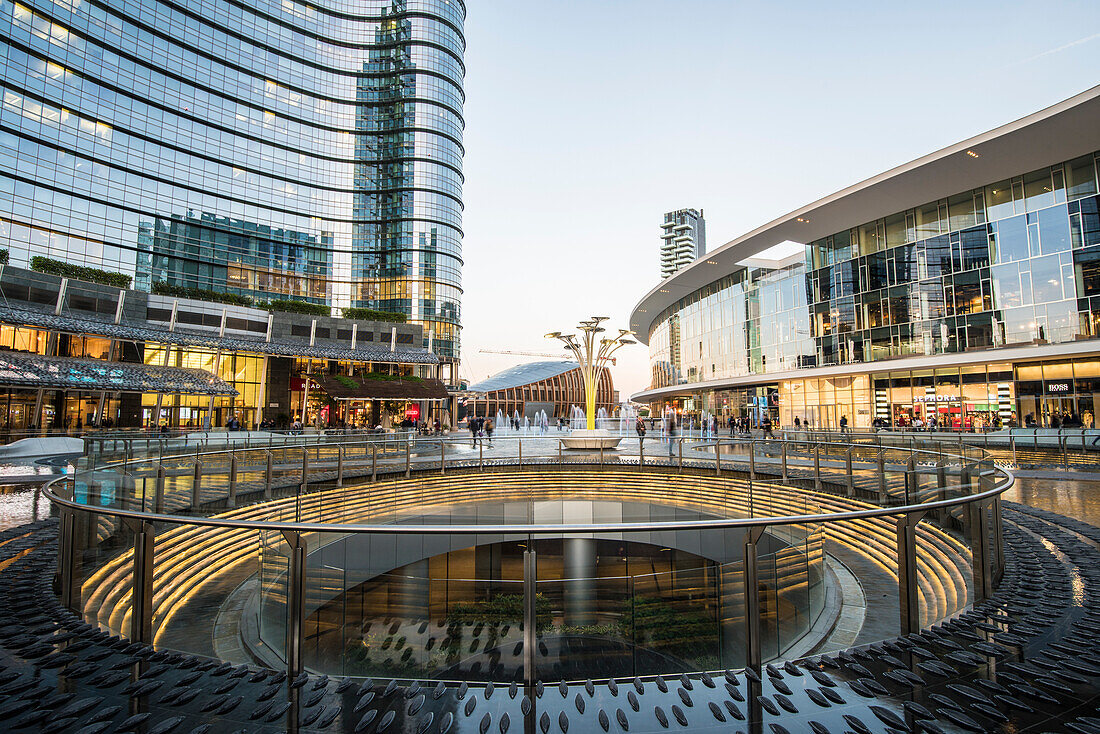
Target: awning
<point>379,388</point>
<point>25,369</point>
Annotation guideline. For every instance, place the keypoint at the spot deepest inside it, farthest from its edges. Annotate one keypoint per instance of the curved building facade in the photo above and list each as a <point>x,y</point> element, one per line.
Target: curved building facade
<point>529,388</point>
<point>961,289</point>
<point>302,150</point>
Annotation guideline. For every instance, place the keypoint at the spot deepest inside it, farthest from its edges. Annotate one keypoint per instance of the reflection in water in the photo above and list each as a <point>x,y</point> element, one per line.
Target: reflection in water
<point>21,504</point>
<point>1070,497</point>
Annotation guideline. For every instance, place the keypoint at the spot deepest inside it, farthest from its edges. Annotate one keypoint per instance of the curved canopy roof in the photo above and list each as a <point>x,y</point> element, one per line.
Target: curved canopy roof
<point>26,369</point>
<point>524,374</point>
<point>1061,132</point>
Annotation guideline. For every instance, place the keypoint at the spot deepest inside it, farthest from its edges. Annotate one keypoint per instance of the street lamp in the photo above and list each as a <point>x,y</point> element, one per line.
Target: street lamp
<point>592,355</point>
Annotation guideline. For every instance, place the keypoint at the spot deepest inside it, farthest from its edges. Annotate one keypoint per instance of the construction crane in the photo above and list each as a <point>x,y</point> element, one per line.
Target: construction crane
<point>529,354</point>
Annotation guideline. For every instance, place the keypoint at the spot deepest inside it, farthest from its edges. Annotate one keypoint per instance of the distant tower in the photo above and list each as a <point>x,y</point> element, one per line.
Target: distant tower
<point>683,239</point>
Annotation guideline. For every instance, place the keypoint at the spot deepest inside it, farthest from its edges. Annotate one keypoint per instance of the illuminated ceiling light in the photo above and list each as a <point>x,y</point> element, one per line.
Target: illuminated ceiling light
<point>972,154</point>
<point>664,290</point>
<point>711,262</point>
<point>802,219</point>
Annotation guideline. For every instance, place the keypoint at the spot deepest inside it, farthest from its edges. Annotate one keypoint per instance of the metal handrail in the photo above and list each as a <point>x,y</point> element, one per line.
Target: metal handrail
<point>997,490</point>
<point>906,517</point>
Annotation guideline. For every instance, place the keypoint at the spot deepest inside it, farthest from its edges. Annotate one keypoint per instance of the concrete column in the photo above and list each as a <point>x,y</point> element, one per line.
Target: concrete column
<point>579,571</point>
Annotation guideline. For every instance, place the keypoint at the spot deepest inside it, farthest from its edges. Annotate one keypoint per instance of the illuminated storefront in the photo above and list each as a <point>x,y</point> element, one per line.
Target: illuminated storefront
<point>271,367</point>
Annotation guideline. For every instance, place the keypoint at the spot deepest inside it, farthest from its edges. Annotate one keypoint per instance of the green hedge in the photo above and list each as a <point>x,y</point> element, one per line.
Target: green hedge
<point>384,376</point>
<point>200,294</point>
<point>50,266</point>
<point>347,382</point>
<point>3,257</point>
<point>283,304</point>
<point>370,314</point>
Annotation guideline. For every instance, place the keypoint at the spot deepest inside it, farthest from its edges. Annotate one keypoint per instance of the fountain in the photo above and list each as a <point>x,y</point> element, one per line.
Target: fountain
<point>498,423</point>
<point>592,356</point>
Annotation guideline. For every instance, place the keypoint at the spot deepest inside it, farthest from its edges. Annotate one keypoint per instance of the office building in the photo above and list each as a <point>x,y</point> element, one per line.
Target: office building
<point>273,150</point>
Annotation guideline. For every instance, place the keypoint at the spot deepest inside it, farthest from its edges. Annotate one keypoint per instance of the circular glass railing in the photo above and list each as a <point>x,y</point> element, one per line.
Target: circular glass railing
<point>456,559</point>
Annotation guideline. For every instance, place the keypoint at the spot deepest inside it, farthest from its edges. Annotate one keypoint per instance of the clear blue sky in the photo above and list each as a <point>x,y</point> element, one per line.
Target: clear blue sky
<point>585,121</point>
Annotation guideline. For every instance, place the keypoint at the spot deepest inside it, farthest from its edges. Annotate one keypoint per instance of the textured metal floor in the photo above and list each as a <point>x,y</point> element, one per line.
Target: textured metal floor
<point>1026,661</point>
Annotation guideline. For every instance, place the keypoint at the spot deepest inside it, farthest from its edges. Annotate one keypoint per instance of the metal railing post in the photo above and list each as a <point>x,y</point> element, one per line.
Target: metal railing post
<point>408,458</point>
<point>529,615</point>
<point>231,499</point>
<point>158,491</point>
<point>851,477</point>
<point>1012,443</point>
<point>680,463</point>
<point>480,456</point>
<point>340,466</point>
<point>374,462</point>
<point>641,450</point>
<point>269,474</point>
<point>305,469</point>
<point>68,562</point>
<point>141,611</point>
<point>998,541</point>
<point>910,478</point>
<point>783,451</point>
<point>979,548</point>
<point>754,651</point>
<point>881,476</point>
<point>442,457</point>
<point>1065,454</point>
<point>752,463</point>
<point>295,603</point>
<point>196,484</point>
<point>601,455</point>
<point>817,467</point>
<point>717,458</point>
<point>908,592</point>
<point>519,442</point>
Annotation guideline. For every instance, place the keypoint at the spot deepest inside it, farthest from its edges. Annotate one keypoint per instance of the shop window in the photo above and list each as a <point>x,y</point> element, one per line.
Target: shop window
<point>979,331</point>
<point>1080,178</point>
<point>1006,285</point>
<point>931,219</point>
<point>964,211</point>
<point>1046,279</point>
<point>895,230</point>
<point>1054,229</point>
<point>998,201</point>
<point>974,248</point>
<point>1084,222</point>
<point>937,255</point>
<point>1038,190</point>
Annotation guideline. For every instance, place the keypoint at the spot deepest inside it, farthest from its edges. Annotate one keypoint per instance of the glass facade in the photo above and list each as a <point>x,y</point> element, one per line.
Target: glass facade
<point>278,148</point>
<point>1015,262</point>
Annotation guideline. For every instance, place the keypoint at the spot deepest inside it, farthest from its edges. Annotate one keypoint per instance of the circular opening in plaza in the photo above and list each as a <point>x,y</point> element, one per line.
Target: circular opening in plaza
<point>522,561</point>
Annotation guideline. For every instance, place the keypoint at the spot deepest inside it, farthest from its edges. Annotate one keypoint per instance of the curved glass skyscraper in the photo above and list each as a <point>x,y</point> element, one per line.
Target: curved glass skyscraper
<point>307,149</point>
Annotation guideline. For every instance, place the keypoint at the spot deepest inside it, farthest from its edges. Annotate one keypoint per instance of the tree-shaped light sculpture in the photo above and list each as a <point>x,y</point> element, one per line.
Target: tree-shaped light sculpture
<point>592,355</point>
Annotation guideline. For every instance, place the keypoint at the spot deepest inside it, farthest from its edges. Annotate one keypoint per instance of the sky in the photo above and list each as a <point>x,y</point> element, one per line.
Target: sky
<point>586,121</point>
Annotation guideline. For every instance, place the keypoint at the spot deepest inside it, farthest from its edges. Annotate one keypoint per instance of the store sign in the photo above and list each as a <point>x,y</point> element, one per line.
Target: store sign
<point>1057,387</point>
<point>936,398</point>
<point>412,412</point>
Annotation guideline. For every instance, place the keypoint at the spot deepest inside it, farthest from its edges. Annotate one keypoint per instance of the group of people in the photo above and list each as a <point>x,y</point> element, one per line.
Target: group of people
<point>1057,420</point>
<point>480,427</point>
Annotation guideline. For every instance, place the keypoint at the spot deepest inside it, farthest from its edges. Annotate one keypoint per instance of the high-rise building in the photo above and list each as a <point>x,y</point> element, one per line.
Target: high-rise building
<point>683,240</point>
<point>269,149</point>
